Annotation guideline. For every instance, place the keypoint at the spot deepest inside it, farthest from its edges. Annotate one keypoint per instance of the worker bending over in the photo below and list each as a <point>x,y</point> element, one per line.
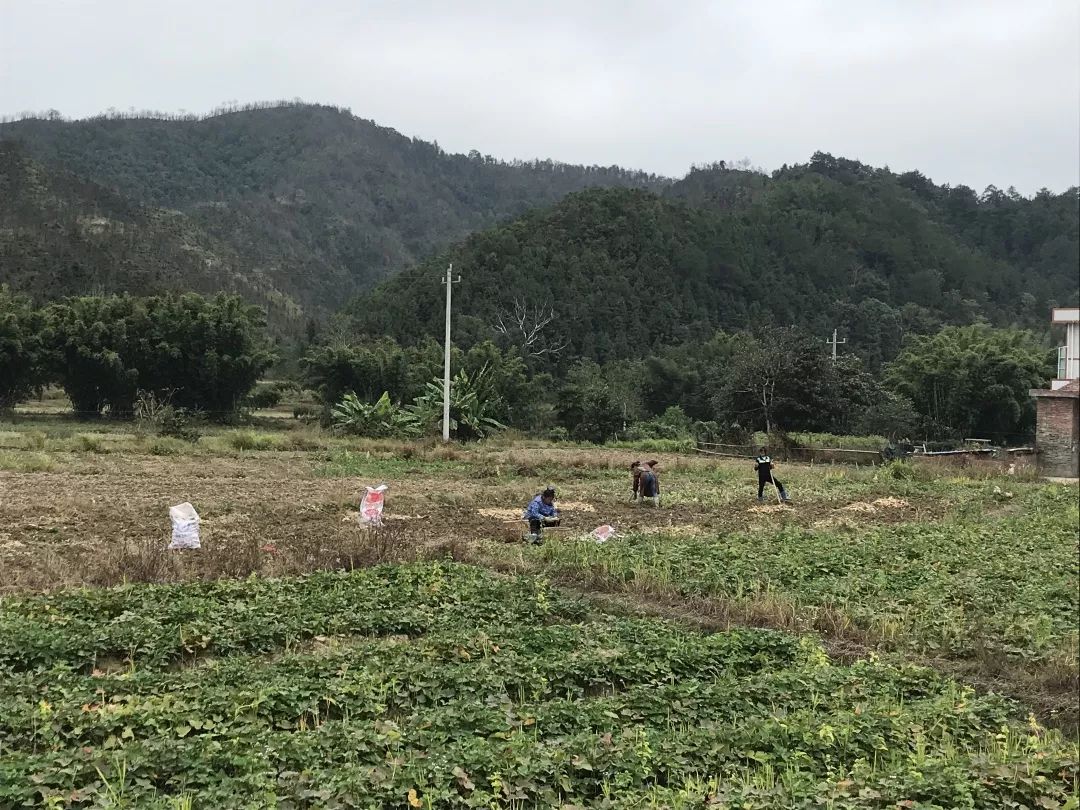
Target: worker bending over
<point>541,512</point>
<point>765,466</point>
<point>646,481</point>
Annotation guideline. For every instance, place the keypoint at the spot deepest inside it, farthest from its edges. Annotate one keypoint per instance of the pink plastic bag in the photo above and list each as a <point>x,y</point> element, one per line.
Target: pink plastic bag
<point>603,533</point>
<point>371,507</point>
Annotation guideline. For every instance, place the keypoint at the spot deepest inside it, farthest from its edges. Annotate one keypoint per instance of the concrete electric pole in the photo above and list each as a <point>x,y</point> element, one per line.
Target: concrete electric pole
<point>450,281</point>
<point>835,343</point>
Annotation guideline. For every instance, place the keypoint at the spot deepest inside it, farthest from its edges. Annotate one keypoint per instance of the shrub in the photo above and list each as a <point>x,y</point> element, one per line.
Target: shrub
<point>90,444</point>
<point>250,440</point>
<point>155,413</point>
<point>165,446</point>
<point>673,425</point>
<point>378,420</point>
<point>474,402</point>
<point>264,396</point>
<point>22,461</point>
<point>901,471</point>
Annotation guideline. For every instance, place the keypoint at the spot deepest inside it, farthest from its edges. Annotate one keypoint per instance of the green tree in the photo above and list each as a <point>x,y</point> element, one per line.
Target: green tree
<point>972,380</point>
<point>511,394</point>
<point>204,353</point>
<point>784,378</point>
<point>92,352</point>
<point>209,351</point>
<point>23,364</point>
<point>586,407</point>
<point>367,370</point>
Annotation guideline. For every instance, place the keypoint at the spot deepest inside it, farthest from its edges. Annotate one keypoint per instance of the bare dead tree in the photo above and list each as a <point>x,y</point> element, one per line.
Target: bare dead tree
<point>524,328</point>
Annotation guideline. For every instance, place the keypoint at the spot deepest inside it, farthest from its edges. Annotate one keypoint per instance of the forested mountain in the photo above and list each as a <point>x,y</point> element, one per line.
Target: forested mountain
<point>319,203</point>
<point>832,243</point>
<point>299,207</point>
<point>63,235</point>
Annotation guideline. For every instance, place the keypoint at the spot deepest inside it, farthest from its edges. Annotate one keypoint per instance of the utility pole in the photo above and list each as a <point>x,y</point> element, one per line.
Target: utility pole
<point>835,343</point>
<point>450,281</point>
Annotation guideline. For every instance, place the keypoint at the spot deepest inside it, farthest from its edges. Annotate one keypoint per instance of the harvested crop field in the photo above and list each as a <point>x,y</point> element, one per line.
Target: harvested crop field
<point>890,623</point>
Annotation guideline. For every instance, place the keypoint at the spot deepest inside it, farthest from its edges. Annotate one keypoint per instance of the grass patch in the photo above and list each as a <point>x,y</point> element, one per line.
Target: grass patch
<point>27,462</point>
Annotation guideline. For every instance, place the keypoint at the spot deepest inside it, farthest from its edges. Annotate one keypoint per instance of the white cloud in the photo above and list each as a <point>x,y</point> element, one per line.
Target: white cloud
<point>967,92</point>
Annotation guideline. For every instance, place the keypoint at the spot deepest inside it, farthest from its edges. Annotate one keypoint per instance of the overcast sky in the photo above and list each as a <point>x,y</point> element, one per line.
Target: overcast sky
<point>974,92</point>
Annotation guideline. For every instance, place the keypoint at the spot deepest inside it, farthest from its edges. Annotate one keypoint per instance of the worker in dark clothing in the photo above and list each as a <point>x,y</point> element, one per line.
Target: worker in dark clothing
<point>764,465</point>
<point>646,481</point>
<point>541,512</point>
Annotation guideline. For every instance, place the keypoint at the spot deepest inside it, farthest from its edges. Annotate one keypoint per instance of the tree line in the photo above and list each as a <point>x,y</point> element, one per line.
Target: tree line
<point>206,354</point>
<point>962,381</point>
<point>200,353</point>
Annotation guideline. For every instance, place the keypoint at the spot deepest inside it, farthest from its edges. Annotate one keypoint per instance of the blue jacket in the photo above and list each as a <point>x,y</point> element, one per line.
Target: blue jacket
<point>538,509</point>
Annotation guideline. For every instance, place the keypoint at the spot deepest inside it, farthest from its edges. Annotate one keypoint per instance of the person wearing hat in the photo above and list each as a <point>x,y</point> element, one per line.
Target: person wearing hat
<point>764,465</point>
<point>541,512</point>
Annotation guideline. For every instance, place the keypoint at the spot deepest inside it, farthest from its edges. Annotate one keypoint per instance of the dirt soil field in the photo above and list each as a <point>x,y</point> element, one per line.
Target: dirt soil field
<point>101,518</point>
<point>98,519</point>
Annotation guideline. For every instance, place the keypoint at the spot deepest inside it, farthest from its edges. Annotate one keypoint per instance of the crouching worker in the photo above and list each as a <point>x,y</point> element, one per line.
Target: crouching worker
<point>541,512</point>
<point>646,481</point>
<point>765,466</point>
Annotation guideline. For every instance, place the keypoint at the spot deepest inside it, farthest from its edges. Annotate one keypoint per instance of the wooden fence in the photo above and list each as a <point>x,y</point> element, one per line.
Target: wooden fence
<point>811,455</point>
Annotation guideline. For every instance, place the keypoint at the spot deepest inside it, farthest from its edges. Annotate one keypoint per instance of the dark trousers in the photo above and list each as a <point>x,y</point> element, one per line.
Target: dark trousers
<point>535,524</point>
<point>648,485</point>
<point>764,481</point>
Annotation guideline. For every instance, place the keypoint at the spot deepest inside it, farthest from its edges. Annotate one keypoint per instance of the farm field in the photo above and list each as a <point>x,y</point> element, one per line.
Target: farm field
<point>901,634</point>
<point>438,684</point>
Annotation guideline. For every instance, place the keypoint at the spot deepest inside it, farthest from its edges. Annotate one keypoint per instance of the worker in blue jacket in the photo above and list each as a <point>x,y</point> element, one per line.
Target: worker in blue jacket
<point>541,512</point>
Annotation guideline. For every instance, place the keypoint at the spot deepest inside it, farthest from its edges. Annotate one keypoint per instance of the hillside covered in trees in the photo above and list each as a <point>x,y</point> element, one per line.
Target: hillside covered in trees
<point>833,243</point>
<point>62,235</point>
<point>300,207</point>
<point>312,200</point>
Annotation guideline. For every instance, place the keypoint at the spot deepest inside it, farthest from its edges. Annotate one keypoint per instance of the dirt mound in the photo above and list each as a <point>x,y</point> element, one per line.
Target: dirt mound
<point>515,513</point>
<point>869,508</point>
<point>859,506</point>
<point>891,503</point>
<point>575,506</point>
<point>501,514</point>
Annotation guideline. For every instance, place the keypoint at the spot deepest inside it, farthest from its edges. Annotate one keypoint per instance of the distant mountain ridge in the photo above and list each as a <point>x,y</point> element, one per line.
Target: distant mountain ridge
<point>302,207</point>
<point>828,244</point>
<point>318,203</point>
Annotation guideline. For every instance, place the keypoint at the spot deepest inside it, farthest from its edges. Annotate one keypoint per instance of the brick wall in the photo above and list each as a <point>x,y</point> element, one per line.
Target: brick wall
<point>1057,435</point>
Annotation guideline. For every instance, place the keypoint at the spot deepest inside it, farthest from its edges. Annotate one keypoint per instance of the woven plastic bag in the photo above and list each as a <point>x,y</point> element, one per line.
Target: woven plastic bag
<point>371,507</point>
<point>603,533</point>
<point>185,526</point>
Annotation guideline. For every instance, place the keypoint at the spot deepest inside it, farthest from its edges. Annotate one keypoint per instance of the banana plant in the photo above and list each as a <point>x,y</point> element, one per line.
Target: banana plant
<point>379,419</point>
<point>473,400</point>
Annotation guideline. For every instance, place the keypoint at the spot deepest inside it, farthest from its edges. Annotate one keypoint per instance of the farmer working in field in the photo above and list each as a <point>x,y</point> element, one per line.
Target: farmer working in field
<point>541,512</point>
<point>646,481</point>
<point>765,466</point>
